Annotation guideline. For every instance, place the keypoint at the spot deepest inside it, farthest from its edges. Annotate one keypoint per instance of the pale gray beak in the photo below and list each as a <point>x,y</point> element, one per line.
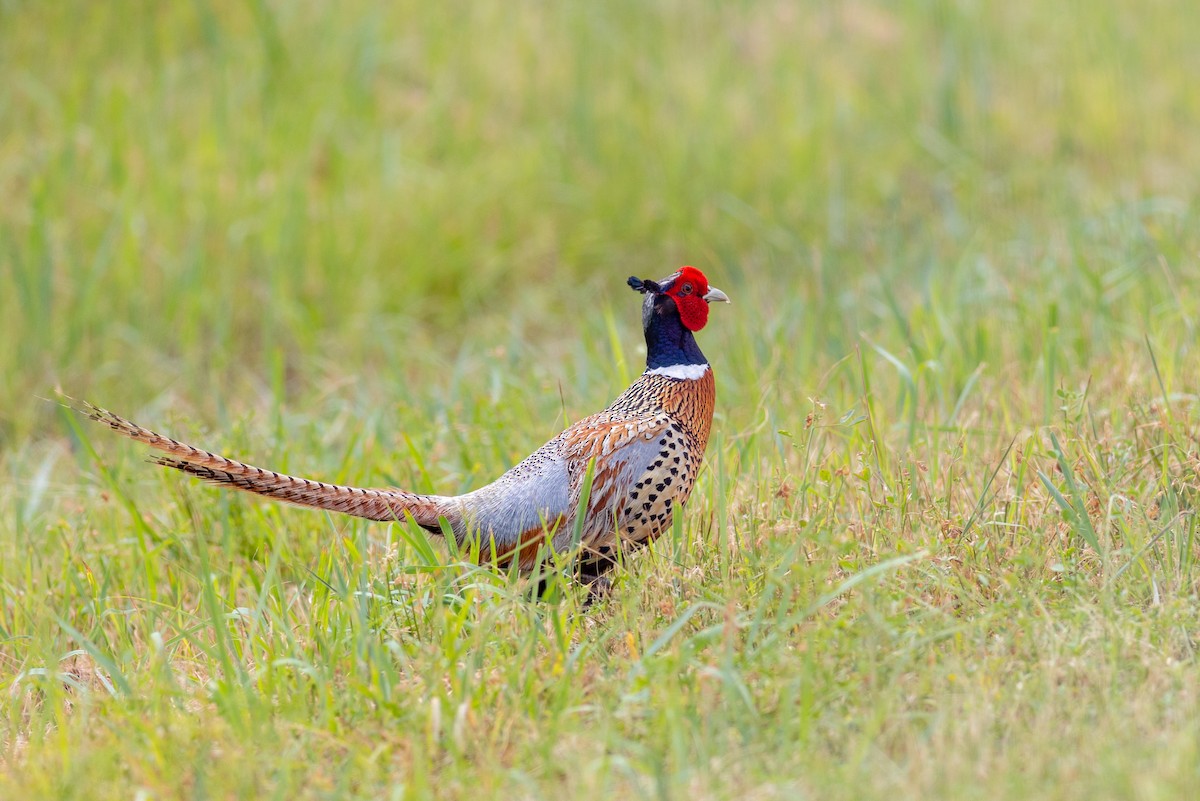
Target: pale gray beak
<point>715,294</point>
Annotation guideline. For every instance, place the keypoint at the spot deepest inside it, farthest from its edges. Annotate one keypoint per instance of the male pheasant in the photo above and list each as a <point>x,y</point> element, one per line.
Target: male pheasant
<point>644,450</point>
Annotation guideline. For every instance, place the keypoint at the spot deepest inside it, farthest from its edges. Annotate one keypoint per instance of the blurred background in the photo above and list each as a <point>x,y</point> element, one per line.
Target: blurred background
<point>943,544</point>
<point>225,207</point>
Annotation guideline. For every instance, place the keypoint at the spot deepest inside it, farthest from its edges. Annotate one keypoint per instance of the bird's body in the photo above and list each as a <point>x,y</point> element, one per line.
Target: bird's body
<point>643,453</point>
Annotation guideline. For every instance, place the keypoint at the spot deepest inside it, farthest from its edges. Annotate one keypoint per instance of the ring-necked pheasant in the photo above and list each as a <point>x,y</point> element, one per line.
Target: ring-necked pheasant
<point>647,447</point>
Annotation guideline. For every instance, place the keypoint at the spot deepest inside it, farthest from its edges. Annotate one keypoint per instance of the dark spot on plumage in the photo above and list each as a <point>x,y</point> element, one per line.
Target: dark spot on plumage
<point>656,464</point>
<point>660,487</point>
<point>664,454</point>
<point>652,498</point>
<point>633,494</point>
<point>662,441</point>
<point>667,481</point>
<point>645,506</point>
<point>676,460</point>
<point>629,529</point>
<point>674,471</point>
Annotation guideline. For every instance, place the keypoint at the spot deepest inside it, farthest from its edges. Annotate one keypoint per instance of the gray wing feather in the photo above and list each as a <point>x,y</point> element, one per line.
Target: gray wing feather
<point>623,469</point>
<point>535,493</point>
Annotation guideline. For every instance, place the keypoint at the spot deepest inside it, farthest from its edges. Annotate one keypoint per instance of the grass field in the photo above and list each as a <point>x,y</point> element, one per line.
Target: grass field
<point>945,542</point>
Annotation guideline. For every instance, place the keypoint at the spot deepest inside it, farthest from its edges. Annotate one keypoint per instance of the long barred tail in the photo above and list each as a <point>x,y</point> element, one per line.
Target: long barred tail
<point>373,504</point>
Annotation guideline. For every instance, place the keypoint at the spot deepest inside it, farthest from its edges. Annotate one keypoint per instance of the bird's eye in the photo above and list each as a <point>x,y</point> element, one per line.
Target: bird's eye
<point>686,289</point>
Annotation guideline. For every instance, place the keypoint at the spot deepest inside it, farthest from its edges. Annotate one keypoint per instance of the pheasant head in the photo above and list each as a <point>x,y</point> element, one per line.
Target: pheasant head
<point>674,309</point>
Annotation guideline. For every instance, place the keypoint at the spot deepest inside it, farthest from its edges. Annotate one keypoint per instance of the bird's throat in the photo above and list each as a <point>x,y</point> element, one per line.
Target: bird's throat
<point>670,344</point>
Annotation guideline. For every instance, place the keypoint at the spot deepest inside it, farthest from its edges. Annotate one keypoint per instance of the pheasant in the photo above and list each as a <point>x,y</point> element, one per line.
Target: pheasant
<point>643,453</point>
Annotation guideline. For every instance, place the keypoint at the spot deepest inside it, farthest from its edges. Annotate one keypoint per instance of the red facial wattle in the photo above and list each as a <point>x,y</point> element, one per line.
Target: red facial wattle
<point>688,291</point>
<point>693,312</point>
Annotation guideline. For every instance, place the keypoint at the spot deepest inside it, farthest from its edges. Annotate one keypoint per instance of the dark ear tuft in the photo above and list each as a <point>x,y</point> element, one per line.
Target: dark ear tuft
<point>644,285</point>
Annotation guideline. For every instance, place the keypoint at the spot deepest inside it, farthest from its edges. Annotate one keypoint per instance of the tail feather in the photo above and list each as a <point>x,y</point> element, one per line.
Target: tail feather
<point>373,504</point>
